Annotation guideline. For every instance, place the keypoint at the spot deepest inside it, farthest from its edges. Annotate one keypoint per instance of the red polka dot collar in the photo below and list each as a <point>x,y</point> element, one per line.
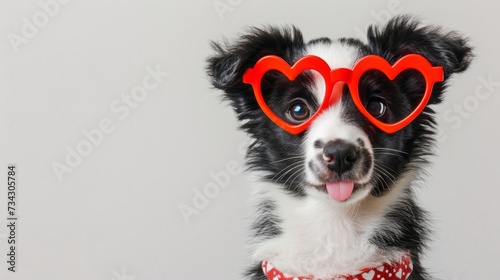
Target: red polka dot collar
<point>400,270</point>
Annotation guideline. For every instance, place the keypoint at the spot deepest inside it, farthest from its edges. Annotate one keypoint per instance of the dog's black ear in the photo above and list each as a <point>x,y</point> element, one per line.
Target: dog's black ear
<point>404,35</point>
<point>230,61</point>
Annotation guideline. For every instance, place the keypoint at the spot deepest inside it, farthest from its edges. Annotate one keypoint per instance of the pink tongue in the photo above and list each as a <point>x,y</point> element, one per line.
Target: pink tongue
<point>340,191</point>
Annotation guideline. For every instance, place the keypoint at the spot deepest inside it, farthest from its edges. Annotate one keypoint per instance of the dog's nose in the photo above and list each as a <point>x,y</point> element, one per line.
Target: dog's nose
<point>339,156</point>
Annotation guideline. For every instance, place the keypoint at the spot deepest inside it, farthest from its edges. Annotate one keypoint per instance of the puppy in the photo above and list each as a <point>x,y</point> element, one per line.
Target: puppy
<point>335,192</point>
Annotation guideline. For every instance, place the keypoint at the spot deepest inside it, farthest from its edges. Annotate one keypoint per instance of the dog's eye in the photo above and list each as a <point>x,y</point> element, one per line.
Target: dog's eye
<point>298,111</point>
<point>376,107</point>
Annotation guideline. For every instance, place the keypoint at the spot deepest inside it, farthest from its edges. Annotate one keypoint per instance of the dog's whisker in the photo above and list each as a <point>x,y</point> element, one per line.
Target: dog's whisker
<point>386,166</point>
<point>387,153</point>
<point>292,170</point>
<point>285,171</point>
<point>387,175</point>
<point>289,158</point>
<point>389,149</point>
<point>381,180</point>
<point>295,175</point>
<point>385,171</point>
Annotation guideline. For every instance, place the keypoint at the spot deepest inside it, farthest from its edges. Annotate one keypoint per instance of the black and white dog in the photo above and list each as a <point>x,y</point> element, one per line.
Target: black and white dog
<point>337,199</point>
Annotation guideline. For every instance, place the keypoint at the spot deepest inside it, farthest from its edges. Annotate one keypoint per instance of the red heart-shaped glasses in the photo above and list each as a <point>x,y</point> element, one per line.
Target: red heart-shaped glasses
<point>253,76</point>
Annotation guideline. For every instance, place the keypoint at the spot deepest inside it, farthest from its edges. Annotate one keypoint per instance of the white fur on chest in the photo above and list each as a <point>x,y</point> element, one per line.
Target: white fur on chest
<point>320,238</point>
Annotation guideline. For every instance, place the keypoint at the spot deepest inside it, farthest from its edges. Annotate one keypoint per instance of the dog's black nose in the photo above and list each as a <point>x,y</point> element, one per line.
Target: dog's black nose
<point>339,156</point>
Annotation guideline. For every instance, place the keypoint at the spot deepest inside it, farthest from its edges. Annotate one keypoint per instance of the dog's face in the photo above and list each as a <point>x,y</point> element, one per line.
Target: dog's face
<point>341,154</point>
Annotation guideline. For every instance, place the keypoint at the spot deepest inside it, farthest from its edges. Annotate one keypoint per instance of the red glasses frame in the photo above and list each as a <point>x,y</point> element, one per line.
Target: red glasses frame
<point>253,76</point>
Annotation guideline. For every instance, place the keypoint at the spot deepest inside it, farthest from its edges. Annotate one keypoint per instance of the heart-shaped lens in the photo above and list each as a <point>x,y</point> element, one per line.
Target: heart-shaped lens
<point>293,101</point>
<point>380,104</point>
<point>390,101</point>
<point>291,96</point>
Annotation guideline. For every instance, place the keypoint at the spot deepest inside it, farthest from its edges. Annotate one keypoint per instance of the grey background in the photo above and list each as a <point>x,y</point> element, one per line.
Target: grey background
<point>116,215</point>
